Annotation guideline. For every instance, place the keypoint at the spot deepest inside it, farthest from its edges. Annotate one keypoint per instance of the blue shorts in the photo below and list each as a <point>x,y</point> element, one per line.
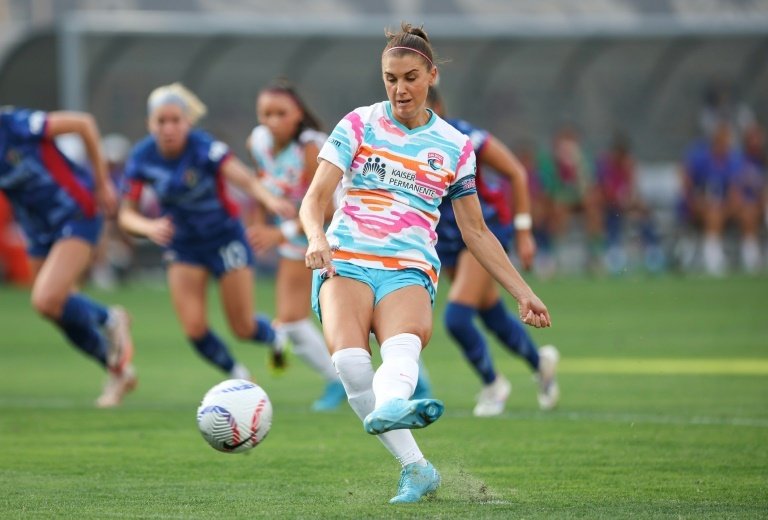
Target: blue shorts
<point>381,281</point>
<point>219,256</point>
<point>450,244</point>
<point>88,229</point>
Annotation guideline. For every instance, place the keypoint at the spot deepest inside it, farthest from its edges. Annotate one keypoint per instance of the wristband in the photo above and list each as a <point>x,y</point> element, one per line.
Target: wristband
<point>289,229</point>
<point>523,221</point>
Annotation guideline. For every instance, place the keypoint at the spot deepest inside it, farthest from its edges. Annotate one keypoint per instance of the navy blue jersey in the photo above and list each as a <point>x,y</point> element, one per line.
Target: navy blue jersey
<point>492,199</point>
<point>189,187</point>
<point>45,188</point>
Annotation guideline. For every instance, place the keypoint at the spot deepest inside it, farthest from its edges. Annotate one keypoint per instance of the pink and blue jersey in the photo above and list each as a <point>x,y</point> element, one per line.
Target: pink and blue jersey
<point>45,188</point>
<point>284,174</point>
<point>190,187</point>
<point>394,181</point>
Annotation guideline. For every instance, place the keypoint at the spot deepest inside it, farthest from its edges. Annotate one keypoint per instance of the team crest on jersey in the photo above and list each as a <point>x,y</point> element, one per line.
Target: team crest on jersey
<point>12,157</point>
<point>190,177</point>
<point>435,160</point>
<point>375,166</point>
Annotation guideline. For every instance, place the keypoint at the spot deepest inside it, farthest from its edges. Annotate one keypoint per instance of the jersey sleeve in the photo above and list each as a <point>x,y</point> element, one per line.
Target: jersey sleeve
<point>210,152</point>
<point>342,145</point>
<point>27,125</point>
<point>132,182</point>
<point>464,183</point>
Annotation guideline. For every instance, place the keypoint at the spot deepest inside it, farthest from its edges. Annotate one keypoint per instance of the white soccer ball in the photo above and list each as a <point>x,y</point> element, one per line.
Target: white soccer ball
<point>235,416</point>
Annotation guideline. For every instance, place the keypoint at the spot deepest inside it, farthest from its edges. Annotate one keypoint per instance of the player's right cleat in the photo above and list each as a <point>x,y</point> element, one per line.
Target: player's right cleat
<point>119,341</point>
<point>549,390</point>
<point>278,354</point>
<point>399,414</point>
<point>117,386</point>
<point>493,398</point>
<point>416,481</point>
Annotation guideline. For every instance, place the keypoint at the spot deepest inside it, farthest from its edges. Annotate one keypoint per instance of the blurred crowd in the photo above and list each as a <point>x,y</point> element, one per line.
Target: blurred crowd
<point>589,214</point>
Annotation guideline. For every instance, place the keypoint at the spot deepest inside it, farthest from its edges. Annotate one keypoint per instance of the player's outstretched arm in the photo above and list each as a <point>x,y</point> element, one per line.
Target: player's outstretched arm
<point>312,215</point>
<point>158,230</point>
<point>496,155</point>
<point>238,174</point>
<point>84,124</point>
<point>489,252</point>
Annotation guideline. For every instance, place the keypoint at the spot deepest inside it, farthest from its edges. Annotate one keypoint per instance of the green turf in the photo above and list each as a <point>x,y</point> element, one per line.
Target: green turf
<point>641,432</point>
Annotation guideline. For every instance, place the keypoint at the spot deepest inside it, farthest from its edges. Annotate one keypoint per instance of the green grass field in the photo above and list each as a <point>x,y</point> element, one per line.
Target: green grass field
<point>664,414</point>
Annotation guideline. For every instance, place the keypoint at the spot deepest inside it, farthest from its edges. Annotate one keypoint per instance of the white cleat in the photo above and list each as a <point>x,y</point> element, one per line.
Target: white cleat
<point>117,386</point>
<point>549,390</point>
<point>120,343</point>
<point>493,398</point>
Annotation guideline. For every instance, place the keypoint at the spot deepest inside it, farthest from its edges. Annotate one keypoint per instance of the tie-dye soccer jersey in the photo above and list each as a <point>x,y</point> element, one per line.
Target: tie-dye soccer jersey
<point>394,180</point>
<point>284,174</point>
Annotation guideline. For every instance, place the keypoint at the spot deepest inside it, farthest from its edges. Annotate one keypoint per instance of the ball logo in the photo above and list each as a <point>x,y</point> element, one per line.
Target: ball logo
<point>435,160</point>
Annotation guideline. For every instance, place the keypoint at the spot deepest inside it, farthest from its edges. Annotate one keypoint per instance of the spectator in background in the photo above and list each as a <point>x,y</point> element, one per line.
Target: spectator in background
<point>621,202</point>
<point>750,195</point>
<point>568,180</point>
<point>541,211</point>
<point>708,175</point>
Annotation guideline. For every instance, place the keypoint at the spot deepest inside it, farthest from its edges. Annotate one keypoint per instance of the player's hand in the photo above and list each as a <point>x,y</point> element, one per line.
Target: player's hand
<point>281,207</point>
<point>319,256</point>
<point>106,196</point>
<point>533,312</point>
<point>161,231</point>
<point>263,238</point>
<point>526,248</point>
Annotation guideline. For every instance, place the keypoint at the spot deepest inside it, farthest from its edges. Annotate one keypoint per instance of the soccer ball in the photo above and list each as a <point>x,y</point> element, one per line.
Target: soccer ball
<point>235,416</point>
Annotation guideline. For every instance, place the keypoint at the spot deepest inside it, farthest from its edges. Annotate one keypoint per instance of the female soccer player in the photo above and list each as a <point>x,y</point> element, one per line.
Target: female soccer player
<point>55,202</point>
<point>199,228</point>
<point>284,147</point>
<point>473,290</point>
<point>376,269</point>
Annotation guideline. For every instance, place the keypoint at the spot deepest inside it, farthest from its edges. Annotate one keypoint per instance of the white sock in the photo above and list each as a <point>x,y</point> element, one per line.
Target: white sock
<point>399,370</point>
<point>750,254</point>
<point>356,374</point>
<point>309,345</point>
<point>714,257</point>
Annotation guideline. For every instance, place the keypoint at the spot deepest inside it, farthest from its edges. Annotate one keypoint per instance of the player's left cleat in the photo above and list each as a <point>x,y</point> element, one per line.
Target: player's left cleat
<point>399,414</point>
<point>549,390</point>
<point>332,397</point>
<point>117,386</point>
<point>416,481</point>
<point>119,341</point>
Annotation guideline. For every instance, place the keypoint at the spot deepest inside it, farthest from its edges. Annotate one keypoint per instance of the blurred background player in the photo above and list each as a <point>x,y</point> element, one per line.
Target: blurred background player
<point>711,168</point>
<point>474,292</point>
<point>377,269</point>
<point>284,147</point>
<point>199,228</point>
<point>751,197</point>
<point>58,203</point>
<point>621,203</point>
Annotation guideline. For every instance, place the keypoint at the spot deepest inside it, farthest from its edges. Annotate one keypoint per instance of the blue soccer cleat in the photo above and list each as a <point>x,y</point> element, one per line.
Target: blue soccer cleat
<point>333,396</point>
<point>423,388</point>
<point>399,414</point>
<point>416,481</point>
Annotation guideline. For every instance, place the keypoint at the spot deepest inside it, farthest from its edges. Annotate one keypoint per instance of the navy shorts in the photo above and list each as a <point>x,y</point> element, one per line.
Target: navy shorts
<point>219,256</point>
<point>88,229</point>
<point>450,244</point>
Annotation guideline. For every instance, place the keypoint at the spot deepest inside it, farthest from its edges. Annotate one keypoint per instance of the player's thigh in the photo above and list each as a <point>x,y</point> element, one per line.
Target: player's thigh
<point>472,285</point>
<point>406,310</point>
<point>294,288</point>
<point>59,273</point>
<point>346,306</point>
<point>236,288</point>
<point>188,286</point>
